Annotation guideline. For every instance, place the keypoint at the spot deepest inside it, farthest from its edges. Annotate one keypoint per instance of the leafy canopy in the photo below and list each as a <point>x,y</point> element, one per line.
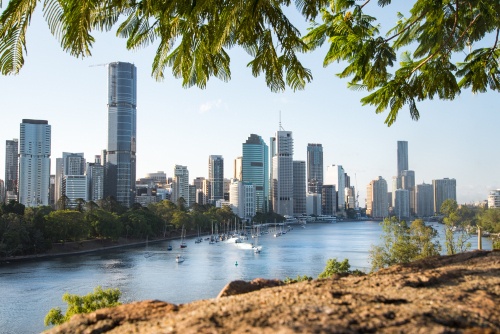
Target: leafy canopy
<point>83,304</point>
<point>444,46</point>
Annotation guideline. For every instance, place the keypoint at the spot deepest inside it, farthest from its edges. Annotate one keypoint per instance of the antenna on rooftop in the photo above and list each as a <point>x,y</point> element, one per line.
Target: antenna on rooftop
<point>280,127</point>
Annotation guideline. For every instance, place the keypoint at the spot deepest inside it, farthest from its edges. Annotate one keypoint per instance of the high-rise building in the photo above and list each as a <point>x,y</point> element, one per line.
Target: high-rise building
<point>242,199</point>
<point>402,156</point>
<point>299,188</point>
<point>443,189</point>
<point>424,200</point>
<point>328,200</point>
<point>69,164</point>
<point>11,167</point>
<point>95,180</point>
<point>180,184</point>
<point>408,183</point>
<point>255,169</point>
<point>215,178</point>
<point>335,175</point>
<point>377,205</point>
<point>402,203</point>
<point>34,162</point>
<point>282,173</point>
<point>314,168</point>
<point>159,178</point>
<point>238,168</point>
<point>121,153</point>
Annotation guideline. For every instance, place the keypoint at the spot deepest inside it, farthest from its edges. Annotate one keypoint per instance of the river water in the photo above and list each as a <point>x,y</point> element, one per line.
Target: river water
<point>29,290</point>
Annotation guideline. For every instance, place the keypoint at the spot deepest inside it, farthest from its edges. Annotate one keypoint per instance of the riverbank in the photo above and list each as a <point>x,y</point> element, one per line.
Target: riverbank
<point>87,246</point>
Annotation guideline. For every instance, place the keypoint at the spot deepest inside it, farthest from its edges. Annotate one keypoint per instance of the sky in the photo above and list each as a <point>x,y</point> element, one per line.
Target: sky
<point>175,125</point>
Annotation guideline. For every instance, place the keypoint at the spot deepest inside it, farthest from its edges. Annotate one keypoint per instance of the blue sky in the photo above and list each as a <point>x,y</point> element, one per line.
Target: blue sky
<point>455,139</point>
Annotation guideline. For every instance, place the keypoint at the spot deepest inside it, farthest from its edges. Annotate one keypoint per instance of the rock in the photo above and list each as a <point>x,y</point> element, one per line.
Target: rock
<point>448,294</point>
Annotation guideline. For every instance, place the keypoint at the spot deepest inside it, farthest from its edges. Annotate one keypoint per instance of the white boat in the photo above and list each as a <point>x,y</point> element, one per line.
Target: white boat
<point>183,235</point>
<point>179,258</point>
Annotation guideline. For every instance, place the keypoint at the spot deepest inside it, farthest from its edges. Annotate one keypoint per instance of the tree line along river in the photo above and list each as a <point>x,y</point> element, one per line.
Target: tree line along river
<point>30,289</point>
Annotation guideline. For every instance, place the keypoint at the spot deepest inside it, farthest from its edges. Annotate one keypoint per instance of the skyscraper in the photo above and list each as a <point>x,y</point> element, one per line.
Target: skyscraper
<point>402,156</point>
<point>11,167</point>
<point>377,203</point>
<point>255,169</point>
<point>282,173</point>
<point>180,184</point>
<point>121,158</point>
<point>95,179</point>
<point>335,175</point>
<point>314,168</point>
<point>299,188</point>
<point>443,189</point>
<point>216,178</point>
<point>424,200</point>
<point>34,162</point>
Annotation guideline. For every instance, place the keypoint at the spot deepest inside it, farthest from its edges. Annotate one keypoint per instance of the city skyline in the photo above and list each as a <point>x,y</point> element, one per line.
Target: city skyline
<point>178,126</point>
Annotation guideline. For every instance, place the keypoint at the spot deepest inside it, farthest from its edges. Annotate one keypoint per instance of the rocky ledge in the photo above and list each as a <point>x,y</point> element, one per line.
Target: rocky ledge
<point>448,294</point>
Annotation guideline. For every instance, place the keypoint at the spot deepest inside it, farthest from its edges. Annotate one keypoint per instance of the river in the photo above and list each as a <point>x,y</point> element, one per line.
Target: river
<point>30,289</point>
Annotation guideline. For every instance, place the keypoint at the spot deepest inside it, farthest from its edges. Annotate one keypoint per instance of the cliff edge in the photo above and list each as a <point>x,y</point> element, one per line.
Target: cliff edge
<point>447,294</point>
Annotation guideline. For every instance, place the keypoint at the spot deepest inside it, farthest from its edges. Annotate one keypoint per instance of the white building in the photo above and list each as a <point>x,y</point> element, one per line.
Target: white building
<point>281,182</point>
<point>494,199</point>
<point>75,188</point>
<point>34,162</point>
<point>180,184</point>
<point>242,199</point>
<point>313,204</point>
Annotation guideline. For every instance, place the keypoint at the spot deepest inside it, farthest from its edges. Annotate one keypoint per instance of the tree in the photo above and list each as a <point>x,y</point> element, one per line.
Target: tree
<point>456,228</point>
<point>194,37</point>
<point>489,220</point>
<point>83,304</point>
<point>403,243</point>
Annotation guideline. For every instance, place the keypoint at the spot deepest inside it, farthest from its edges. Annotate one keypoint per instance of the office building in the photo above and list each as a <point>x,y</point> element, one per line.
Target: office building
<point>313,204</point>
<point>299,188</point>
<point>255,169</point>
<point>377,205</point>
<point>408,183</point>
<point>282,173</point>
<point>121,153</point>
<point>159,178</point>
<point>11,167</point>
<point>443,189</point>
<point>328,200</point>
<point>242,199</point>
<point>34,162</point>
<point>402,204</point>
<point>215,178</point>
<point>95,180</point>
<point>335,175</point>
<point>238,168</point>
<point>402,156</point>
<point>424,200</point>
<point>314,168</point>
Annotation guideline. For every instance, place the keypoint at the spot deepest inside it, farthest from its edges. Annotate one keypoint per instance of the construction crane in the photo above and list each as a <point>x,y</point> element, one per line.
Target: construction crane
<point>106,64</point>
<point>356,203</point>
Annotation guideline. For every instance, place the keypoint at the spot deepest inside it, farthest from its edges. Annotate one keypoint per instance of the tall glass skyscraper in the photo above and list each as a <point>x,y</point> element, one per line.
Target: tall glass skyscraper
<point>314,168</point>
<point>216,178</point>
<point>255,170</point>
<point>34,163</point>
<point>120,155</point>
<point>402,156</point>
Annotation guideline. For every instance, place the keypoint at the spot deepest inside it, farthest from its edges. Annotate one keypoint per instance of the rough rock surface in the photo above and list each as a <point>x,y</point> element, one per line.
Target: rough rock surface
<point>449,294</point>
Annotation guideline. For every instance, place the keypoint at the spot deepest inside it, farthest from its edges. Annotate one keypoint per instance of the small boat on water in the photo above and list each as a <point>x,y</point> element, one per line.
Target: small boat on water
<point>179,258</point>
<point>169,247</point>
<point>183,235</point>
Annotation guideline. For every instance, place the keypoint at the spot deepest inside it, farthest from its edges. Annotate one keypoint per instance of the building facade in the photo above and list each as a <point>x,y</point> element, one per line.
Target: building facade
<point>11,167</point>
<point>299,188</point>
<point>402,203</point>
<point>443,189</point>
<point>180,184</point>
<point>402,156</point>
<point>314,168</point>
<point>34,162</point>
<point>255,169</point>
<point>328,200</point>
<point>122,119</point>
<point>95,179</point>
<point>215,178</point>
<point>335,175</point>
<point>494,199</point>
<point>377,204</point>
<point>282,173</point>
<point>424,200</point>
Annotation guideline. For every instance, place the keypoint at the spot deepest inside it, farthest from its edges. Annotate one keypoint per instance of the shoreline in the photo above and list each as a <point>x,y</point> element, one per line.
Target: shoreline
<point>84,247</point>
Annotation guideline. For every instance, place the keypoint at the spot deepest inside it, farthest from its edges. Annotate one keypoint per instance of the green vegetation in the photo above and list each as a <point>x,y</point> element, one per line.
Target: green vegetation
<point>458,224</point>
<point>26,231</point>
<point>403,243</point>
<point>83,304</point>
<point>489,221</point>
<point>299,278</point>
<point>335,267</point>
<point>194,39</point>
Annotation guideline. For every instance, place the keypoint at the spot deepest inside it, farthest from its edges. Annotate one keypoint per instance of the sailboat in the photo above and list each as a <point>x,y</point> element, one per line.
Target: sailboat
<point>256,248</point>
<point>179,258</point>
<point>183,235</point>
